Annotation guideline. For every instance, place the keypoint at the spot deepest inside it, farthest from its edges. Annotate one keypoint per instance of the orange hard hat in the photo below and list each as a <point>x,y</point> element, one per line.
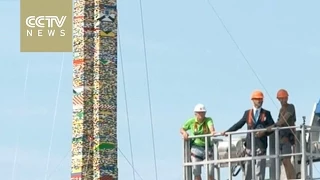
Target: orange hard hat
<point>282,93</point>
<point>257,95</point>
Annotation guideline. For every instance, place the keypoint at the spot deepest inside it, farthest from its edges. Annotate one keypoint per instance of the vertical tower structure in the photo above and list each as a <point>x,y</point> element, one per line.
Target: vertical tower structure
<point>94,125</point>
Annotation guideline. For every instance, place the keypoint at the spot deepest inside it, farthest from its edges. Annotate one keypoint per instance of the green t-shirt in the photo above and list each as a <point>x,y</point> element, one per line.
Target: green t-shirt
<point>196,128</point>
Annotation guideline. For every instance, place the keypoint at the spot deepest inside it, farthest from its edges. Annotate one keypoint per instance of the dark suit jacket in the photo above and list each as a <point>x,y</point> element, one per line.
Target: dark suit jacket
<point>261,142</point>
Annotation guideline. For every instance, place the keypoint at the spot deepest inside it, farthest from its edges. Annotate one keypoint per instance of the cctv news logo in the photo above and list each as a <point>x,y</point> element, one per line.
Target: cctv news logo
<point>45,26</point>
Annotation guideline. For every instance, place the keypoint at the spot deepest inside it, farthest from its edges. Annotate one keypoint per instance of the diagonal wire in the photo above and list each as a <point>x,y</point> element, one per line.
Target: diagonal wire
<point>242,54</point>
<point>129,130</point>
<point>135,172</point>
<point>18,132</point>
<point>130,164</point>
<point>58,166</point>
<point>250,66</point>
<point>148,86</point>
<point>69,152</point>
<point>247,61</point>
<point>126,104</point>
<point>54,117</point>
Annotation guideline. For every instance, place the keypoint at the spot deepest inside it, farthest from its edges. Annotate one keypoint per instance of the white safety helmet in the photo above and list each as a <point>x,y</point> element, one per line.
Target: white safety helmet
<point>200,108</point>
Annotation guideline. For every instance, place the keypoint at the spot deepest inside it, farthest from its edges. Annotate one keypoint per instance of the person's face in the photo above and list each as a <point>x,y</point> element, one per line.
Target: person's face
<point>257,103</point>
<point>200,115</point>
<point>283,101</point>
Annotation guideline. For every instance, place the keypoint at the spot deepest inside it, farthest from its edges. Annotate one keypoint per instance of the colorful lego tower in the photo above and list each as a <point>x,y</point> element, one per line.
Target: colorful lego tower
<point>94,125</point>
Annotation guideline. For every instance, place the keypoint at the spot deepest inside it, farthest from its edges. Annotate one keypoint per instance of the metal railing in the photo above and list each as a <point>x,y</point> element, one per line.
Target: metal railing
<point>305,152</point>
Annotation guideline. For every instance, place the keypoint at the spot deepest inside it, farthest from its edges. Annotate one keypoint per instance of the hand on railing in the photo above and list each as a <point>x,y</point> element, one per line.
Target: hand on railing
<point>224,133</point>
<point>269,129</point>
<point>217,134</point>
<point>259,134</point>
<point>185,136</point>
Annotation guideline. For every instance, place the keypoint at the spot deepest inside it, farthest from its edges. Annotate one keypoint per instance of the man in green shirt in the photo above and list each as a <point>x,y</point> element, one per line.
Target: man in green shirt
<point>199,125</point>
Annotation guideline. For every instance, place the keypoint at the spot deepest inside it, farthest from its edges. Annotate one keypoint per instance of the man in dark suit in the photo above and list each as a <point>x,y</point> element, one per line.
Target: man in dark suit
<point>256,118</point>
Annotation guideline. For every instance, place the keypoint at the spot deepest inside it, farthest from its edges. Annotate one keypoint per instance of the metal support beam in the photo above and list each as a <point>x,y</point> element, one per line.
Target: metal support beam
<point>272,167</point>
<point>224,160</point>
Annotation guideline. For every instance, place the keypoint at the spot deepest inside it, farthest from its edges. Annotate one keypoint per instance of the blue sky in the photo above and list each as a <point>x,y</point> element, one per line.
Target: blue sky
<point>191,60</point>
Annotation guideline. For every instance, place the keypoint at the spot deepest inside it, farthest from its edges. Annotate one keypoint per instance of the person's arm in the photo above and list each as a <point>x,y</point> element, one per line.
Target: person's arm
<point>283,120</point>
<point>211,126</point>
<point>183,131</point>
<point>239,124</point>
<point>270,123</point>
<point>185,127</point>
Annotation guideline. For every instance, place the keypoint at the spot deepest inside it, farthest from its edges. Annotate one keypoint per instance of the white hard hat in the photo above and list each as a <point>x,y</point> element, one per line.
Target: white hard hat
<point>200,108</point>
